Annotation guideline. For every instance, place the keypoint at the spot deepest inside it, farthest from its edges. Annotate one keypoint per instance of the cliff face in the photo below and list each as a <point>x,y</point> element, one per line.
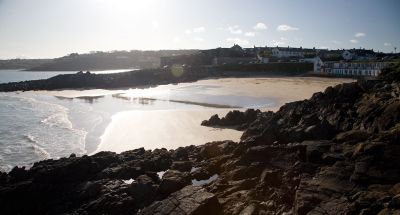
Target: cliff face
<point>335,153</point>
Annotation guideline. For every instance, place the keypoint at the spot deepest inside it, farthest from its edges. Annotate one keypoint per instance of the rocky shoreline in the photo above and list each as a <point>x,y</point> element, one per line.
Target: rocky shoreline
<point>335,153</point>
<point>87,80</point>
<point>147,77</point>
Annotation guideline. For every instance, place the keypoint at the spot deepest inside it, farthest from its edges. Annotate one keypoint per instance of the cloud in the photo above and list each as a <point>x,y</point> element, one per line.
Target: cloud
<point>359,34</point>
<point>239,41</point>
<point>195,30</point>
<point>235,29</point>
<point>387,44</point>
<point>335,42</point>
<point>198,39</point>
<point>354,41</point>
<point>250,34</point>
<point>286,28</point>
<point>260,26</point>
<point>283,38</point>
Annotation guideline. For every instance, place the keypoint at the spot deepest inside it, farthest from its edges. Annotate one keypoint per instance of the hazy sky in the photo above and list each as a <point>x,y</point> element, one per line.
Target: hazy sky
<point>53,28</point>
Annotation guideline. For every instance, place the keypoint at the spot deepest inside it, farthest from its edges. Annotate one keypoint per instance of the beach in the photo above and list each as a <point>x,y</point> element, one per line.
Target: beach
<point>163,125</point>
<point>54,124</point>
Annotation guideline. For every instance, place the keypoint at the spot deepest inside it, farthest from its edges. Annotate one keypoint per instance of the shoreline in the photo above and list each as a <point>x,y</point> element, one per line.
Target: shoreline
<point>137,78</point>
<point>270,96</point>
<point>316,147</point>
<point>195,113</point>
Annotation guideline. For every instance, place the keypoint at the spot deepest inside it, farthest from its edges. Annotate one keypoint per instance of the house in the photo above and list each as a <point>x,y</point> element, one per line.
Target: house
<point>316,61</point>
<point>289,52</point>
<point>232,60</point>
<point>281,52</point>
<point>359,54</point>
<point>354,68</point>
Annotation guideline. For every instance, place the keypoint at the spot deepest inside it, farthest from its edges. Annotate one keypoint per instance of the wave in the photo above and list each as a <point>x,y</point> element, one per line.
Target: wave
<point>58,119</point>
<point>54,114</point>
<point>37,149</point>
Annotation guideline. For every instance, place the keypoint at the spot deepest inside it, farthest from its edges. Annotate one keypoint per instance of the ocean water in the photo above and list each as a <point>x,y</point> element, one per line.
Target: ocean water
<point>42,125</point>
<point>14,75</point>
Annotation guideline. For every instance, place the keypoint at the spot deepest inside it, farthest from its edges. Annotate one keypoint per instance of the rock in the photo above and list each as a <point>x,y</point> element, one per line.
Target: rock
<point>249,210</point>
<point>211,149</point>
<point>172,181</point>
<point>322,130</point>
<point>335,153</point>
<point>395,189</point>
<point>395,202</point>
<point>213,121</point>
<point>271,178</point>
<point>183,166</point>
<point>191,200</point>
<point>121,172</point>
<point>235,119</point>
<point>114,80</point>
<point>388,211</point>
<point>144,191</point>
<point>18,174</point>
<point>243,172</point>
<point>352,135</point>
<point>316,149</point>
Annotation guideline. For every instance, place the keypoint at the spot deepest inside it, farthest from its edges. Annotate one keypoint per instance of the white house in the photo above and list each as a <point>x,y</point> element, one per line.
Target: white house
<point>316,61</point>
<point>262,59</point>
<point>355,68</point>
<point>280,52</point>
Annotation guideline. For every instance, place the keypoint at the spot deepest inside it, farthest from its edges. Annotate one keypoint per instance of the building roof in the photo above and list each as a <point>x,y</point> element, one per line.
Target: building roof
<point>293,49</point>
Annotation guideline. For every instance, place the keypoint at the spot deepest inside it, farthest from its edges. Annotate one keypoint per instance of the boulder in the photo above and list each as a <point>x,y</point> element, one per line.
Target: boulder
<point>183,166</point>
<point>172,181</point>
<point>271,177</point>
<point>191,200</point>
<point>352,136</point>
<point>395,202</point>
<point>211,149</point>
<point>144,191</point>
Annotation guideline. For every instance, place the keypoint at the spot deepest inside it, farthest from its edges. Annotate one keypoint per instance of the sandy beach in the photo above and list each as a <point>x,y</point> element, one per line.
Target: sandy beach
<point>174,128</point>
<point>162,129</point>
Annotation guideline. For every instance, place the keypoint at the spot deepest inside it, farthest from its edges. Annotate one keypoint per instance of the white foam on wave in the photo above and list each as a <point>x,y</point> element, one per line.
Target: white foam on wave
<point>37,127</point>
<point>58,119</point>
<point>38,150</point>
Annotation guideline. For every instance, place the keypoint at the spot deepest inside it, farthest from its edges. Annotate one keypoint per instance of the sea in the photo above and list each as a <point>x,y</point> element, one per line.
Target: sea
<point>49,125</point>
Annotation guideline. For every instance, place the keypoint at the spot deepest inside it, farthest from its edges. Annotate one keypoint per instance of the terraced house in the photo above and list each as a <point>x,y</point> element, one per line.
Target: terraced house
<point>354,68</point>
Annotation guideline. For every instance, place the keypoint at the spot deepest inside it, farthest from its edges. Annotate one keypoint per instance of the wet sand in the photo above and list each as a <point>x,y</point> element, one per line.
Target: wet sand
<point>162,129</point>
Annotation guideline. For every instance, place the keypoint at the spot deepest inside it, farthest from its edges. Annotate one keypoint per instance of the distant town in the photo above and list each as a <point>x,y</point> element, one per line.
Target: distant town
<point>340,62</point>
<point>351,62</point>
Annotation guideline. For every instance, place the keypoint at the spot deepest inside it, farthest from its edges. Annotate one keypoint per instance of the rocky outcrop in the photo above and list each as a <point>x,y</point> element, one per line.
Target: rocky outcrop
<point>233,119</point>
<point>189,200</point>
<point>335,153</point>
<point>135,78</point>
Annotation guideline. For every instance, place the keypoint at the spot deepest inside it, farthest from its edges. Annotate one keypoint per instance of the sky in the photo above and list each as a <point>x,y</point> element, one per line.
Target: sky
<point>54,28</point>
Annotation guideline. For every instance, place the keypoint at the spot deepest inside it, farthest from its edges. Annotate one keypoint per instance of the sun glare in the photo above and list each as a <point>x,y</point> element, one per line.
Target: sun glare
<point>129,8</point>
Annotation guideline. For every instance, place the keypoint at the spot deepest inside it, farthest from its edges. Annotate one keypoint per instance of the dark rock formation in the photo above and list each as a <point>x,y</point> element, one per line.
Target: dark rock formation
<point>189,200</point>
<point>335,153</point>
<point>234,119</point>
<point>115,80</point>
